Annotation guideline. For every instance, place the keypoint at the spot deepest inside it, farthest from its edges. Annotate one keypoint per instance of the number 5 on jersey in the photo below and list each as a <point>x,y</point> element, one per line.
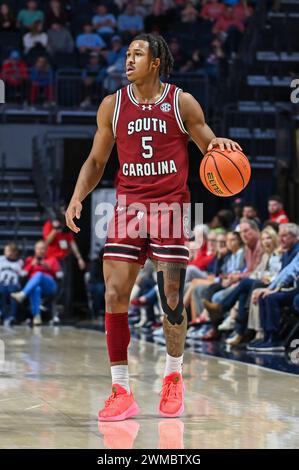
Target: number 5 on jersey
<point>147,147</point>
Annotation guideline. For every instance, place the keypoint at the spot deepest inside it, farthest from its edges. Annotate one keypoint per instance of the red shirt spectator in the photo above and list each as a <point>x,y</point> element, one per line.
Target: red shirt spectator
<point>47,265</point>
<point>14,70</point>
<point>227,21</point>
<point>280,217</point>
<point>60,246</point>
<point>242,11</point>
<point>276,211</point>
<point>212,10</point>
<point>202,258</point>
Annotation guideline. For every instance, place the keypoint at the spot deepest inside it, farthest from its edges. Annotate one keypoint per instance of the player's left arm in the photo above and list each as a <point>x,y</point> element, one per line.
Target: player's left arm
<point>194,121</point>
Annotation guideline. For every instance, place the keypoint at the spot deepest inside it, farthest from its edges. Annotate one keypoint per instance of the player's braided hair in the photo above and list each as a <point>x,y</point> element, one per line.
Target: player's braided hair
<point>159,49</point>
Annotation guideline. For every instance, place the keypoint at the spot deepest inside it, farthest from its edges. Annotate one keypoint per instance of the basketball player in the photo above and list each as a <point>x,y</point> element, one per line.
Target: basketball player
<point>150,121</point>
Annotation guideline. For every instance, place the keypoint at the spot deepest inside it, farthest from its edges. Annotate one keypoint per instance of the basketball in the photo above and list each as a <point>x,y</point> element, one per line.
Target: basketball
<point>225,173</point>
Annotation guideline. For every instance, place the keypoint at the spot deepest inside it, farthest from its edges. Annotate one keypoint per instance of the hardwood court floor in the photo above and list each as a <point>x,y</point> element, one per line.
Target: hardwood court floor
<point>54,380</point>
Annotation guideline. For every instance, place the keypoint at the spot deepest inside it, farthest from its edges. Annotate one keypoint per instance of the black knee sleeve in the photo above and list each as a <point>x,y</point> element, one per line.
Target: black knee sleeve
<point>174,316</point>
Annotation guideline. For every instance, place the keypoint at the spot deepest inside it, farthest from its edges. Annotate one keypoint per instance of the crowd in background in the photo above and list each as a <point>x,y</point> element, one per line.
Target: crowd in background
<point>241,280</point>
<point>37,39</point>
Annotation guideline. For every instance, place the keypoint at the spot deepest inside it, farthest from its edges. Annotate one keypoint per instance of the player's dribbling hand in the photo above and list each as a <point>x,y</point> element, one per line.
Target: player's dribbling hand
<point>74,210</point>
<point>224,144</point>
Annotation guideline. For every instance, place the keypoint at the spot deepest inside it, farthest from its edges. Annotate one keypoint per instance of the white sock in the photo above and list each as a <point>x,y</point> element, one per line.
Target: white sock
<point>173,364</point>
<point>120,375</point>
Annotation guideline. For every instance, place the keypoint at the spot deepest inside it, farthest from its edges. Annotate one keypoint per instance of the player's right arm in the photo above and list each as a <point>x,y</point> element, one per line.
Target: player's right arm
<point>93,168</point>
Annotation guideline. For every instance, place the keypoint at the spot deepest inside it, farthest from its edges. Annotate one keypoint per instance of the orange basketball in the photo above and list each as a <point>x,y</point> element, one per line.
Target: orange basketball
<point>225,173</point>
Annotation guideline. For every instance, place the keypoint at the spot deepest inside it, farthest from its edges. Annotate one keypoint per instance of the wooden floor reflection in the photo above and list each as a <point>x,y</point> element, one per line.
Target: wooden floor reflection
<point>54,380</point>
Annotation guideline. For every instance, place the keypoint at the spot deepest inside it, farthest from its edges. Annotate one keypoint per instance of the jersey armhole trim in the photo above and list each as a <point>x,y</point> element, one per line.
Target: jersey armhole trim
<point>177,111</point>
<point>116,112</point>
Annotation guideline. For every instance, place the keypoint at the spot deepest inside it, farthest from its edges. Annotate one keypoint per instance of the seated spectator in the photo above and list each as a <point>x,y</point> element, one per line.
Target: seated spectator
<point>276,210</point>
<point>181,61</point>
<point>56,13</point>
<point>15,74</point>
<point>42,272</point>
<point>104,22</point>
<point>88,41</point>
<point>42,79</point>
<point>60,39</point>
<point>206,241</point>
<point>35,38</point>
<point>250,212</point>
<point>222,220</point>
<point>281,293</point>
<point>92,77</point>
<point>7,18</point>
<point>266,270</point>
<point>10,273</point>
<point>28,16</point>
<point>116,58</point>
<point>212,10</point>
<point>214,60</point>
<point>230,29</point>
<point>237,207</point>
<point>189,21</point>
<point>95,285</point>
<point>197,61</point>
<point>157,18</point>
<point>242,11</point>
<point>234,263</point>
<point>130,23</point>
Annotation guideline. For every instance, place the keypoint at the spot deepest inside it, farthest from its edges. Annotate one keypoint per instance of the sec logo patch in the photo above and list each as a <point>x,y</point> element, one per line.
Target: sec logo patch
<point>166,107</point>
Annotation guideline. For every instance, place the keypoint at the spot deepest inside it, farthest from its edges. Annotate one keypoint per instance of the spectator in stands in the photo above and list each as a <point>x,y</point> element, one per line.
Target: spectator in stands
<point>212,10</point>
<point>116,58</point>
<point>281,293</point>
<point>60,39</point>
<point>207,243</point>
<point>266,270</point>
<point>95,286</point>
<point>157,19</point>
<point>7,18</point>
<point>182,63</point>
<point>214,60</point>
<point>88,41</point>
<point>276,210</point>
<point>15,73</point>
<point>104,22</point>
<point>250,212</point>
<point>29,15</point>
<point>36,38</point>
<point>189,23</point>
<point>10,273</point>
<point>61,244</point>
<point>222,220</point>
<point>42,271</point>
<point>198,61</point>
<point>41,76</point>
<point>92,77</point>
<point>237,207</point>
<point>130,23</point>
<point>230,29</point>
<point>242,11</point>
<point>234,263</point>
<point>56,13</point>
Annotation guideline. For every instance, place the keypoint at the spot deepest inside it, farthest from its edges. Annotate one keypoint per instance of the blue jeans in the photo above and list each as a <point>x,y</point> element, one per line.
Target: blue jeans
<point>8,306</point>
<point>40,285</point>
<point>270,309</point>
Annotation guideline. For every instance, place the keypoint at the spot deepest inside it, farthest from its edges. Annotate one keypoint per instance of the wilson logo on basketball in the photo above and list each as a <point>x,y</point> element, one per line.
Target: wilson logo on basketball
<point>214,183</point>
